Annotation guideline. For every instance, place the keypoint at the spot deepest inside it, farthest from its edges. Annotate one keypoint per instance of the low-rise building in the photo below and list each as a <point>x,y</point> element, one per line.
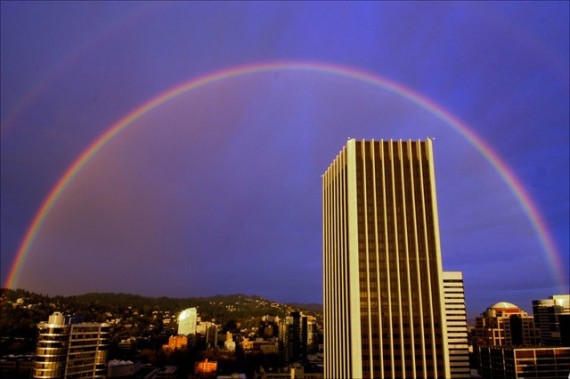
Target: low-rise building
<point>118,368</point>
<point>502,362</point>
<point>205,369</point>
<point>175,343</point>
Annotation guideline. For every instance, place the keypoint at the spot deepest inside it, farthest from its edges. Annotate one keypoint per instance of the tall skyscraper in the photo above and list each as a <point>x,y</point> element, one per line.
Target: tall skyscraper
<point>383,289</point>
<point>456,320</point>
<point>68,350</point>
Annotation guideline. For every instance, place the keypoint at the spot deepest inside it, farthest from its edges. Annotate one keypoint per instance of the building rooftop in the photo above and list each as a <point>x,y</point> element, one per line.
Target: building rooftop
<point>503,305</point>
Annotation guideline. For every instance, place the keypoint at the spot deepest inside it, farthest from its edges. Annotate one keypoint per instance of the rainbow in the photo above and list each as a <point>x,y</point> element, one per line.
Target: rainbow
<point>468,134</point>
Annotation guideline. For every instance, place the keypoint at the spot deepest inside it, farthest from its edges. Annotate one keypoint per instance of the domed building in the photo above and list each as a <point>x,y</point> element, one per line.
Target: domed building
<point>501,309</point>
<point>505,324</point>
<point>506,344</point>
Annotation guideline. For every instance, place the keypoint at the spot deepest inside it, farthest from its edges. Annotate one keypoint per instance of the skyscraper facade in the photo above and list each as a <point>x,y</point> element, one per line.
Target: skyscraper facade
<point>71,350</point>
<point>383,288</point>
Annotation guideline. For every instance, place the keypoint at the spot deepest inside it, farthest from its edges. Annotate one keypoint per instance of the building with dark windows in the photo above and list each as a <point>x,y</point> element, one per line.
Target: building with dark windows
<point>552,318</point>
<point>293,335</point>
<point>511,362</point>
<point>384,313</point>
<point>71,350</point>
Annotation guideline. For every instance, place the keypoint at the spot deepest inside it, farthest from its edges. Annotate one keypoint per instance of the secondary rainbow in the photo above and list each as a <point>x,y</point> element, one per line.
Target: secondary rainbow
<point>470,136</point>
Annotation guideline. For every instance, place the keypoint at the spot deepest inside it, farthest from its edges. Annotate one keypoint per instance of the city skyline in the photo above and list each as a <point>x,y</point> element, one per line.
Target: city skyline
<point>172,196</point>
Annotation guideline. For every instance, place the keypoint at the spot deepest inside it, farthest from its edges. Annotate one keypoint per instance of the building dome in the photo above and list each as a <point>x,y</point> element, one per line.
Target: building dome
<point>502,305</point>
<point>500,309</point>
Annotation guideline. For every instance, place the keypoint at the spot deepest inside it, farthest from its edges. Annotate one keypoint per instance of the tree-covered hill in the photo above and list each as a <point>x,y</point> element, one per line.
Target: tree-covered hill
<point>130,315</point>
<point>20,308</point>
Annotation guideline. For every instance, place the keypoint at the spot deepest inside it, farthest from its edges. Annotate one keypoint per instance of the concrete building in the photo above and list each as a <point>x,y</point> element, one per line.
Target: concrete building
<point>456,320</point>
<point>505,324</point>
<point>552,318</point>
<point>187,322</point>
<point>118,368</point>
<point>230,344</point>
<point>509,362</point>
<point>293,334</point>
<point>175,343</point>
<point>208,332</point>
<point>205,369</point>
<point>384,313</point>
<point>68,350</point>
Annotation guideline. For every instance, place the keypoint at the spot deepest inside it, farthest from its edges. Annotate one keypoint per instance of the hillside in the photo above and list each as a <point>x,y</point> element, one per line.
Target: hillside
<point>221,308</point>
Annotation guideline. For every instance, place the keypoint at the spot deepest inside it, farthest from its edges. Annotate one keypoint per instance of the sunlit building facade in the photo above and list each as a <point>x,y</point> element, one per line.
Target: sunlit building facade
<point>384,313</point>
<point>205,369</point>
<point>187,322</point>
<point>456,320</point>
<point>71,350</point>
<point>175,343</point>
<point>51,348</point>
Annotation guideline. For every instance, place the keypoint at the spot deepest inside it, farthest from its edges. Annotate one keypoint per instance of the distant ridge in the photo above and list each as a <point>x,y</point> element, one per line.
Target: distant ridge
<point>218,307</point>
<point>311,307</point>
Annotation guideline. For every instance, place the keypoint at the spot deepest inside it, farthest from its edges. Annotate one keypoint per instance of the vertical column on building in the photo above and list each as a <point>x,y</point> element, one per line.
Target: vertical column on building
<point>353,262</point>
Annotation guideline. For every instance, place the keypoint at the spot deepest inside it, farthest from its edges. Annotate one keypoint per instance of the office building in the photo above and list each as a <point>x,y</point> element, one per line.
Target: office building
<point>510,362</point>
<point>384,313</point>
<point>456,320</point>
<point>208,332</point>
<point>293,337</point>
<point>71,350</point>
<point>313,335</point>
<point>205,369</point>
<point>175,343</point>
<point>552,318</point>
<point>505,324</point>
<point>187,322</point>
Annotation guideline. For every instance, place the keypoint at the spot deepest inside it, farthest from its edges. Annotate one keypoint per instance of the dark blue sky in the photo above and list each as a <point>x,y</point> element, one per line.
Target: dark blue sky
<point>218,190</point>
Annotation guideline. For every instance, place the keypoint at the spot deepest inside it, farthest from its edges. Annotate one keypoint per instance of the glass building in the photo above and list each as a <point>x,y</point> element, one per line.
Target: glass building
<point>187,322</point>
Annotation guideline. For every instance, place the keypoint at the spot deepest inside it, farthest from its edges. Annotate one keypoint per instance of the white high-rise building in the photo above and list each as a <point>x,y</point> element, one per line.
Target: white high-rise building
<point>456,320</point>
<point>187,322</point>
<point>384,314</point>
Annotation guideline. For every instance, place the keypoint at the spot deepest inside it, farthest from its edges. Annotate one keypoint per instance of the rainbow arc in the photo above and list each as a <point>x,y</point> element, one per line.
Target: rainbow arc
<point>484,148</point>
